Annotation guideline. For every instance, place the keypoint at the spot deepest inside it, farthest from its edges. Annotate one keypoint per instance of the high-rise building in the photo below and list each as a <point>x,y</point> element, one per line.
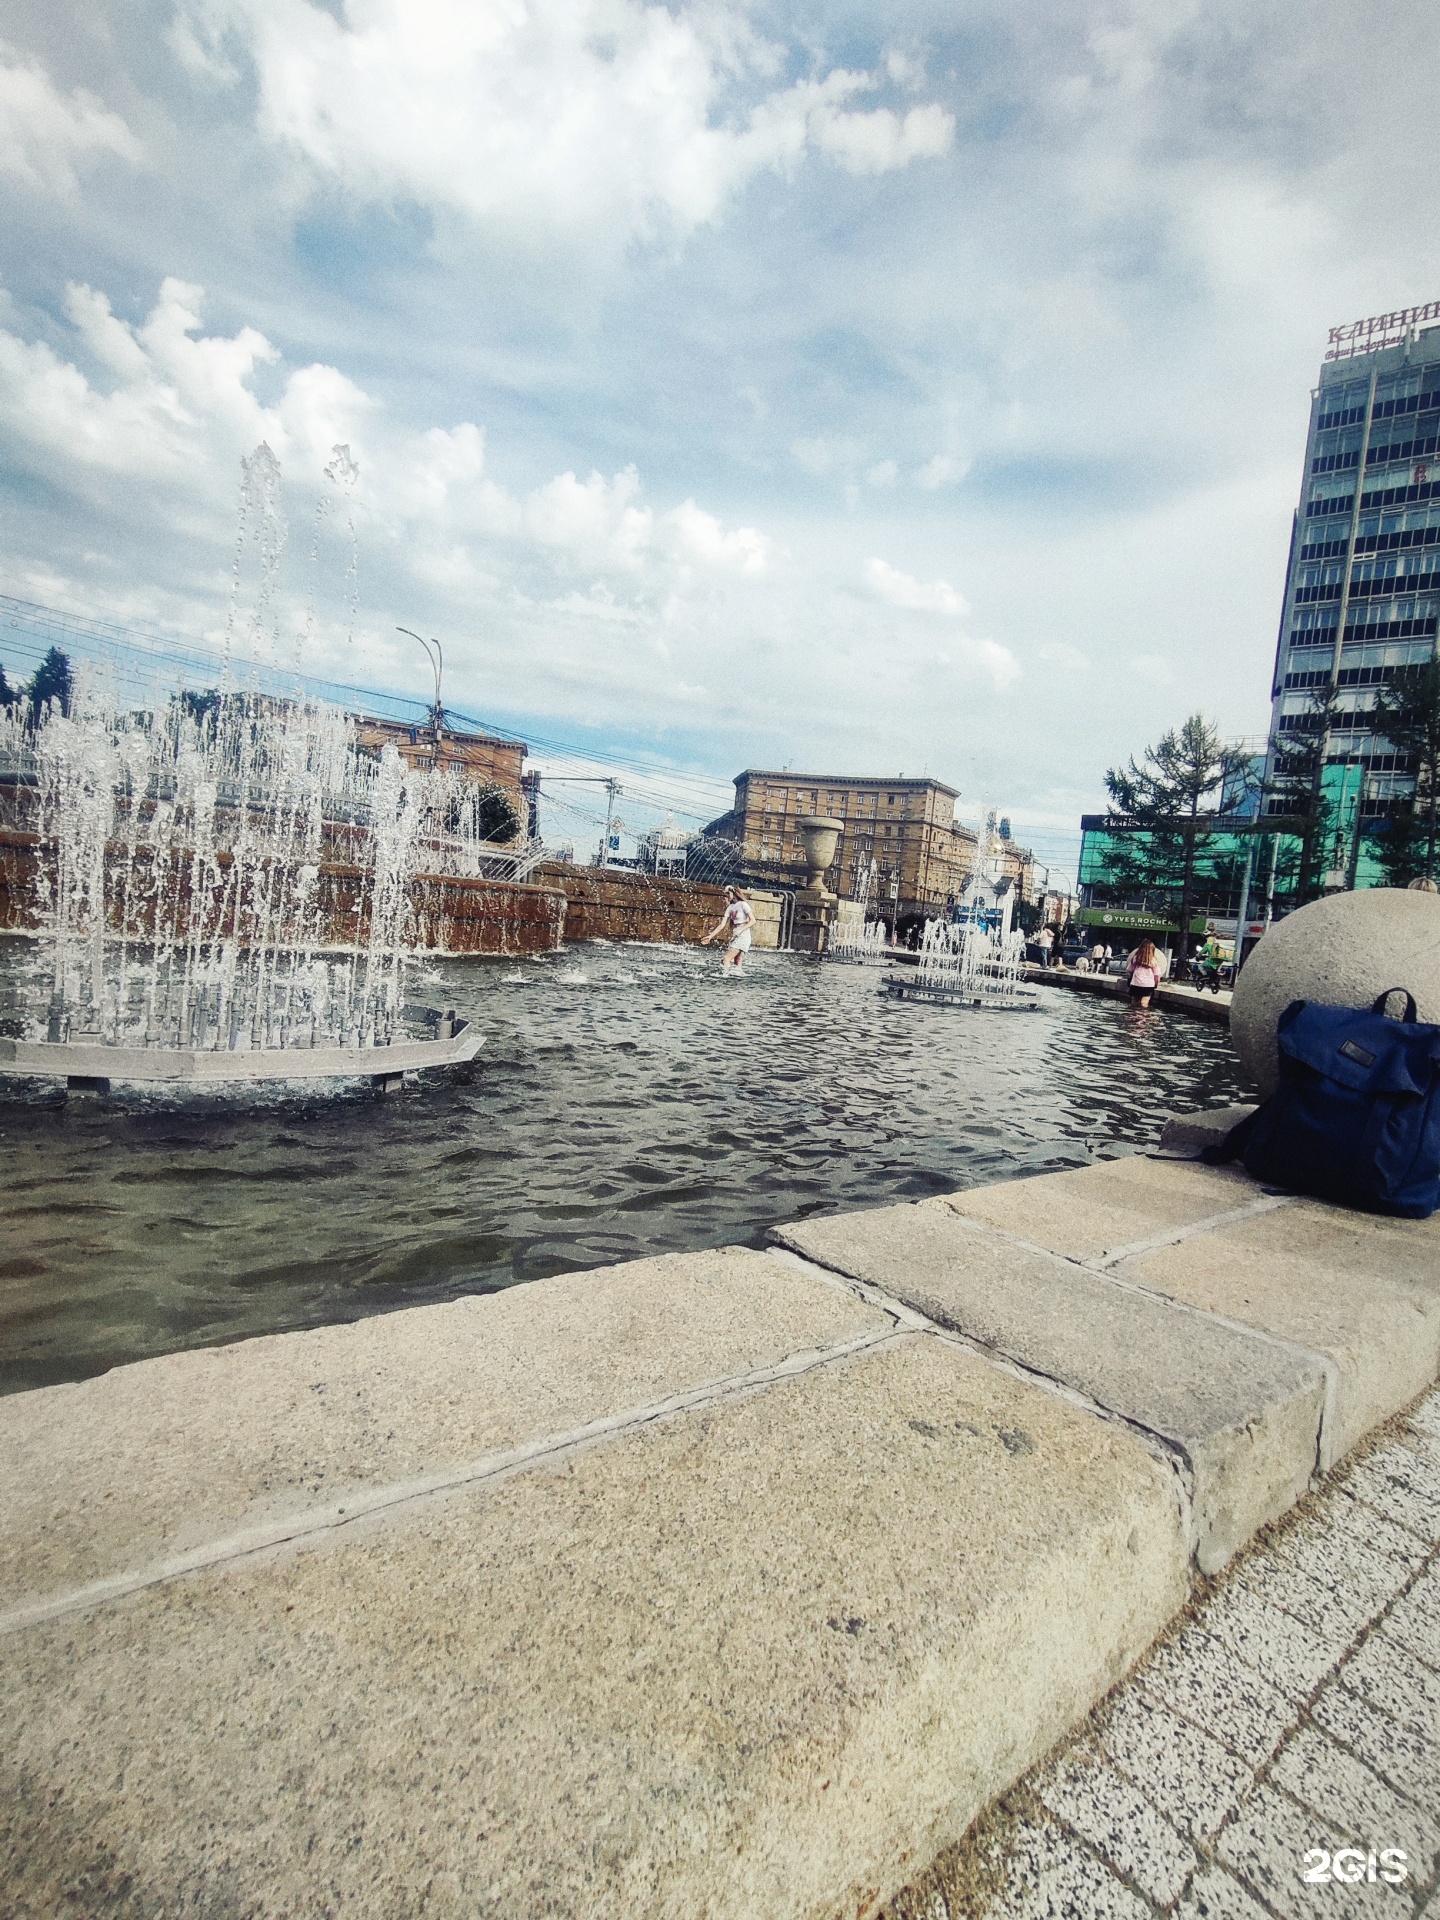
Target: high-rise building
<point>1362,589</point>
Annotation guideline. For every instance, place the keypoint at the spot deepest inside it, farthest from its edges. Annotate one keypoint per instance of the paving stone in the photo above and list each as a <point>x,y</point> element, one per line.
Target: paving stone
<point>1345,1791</point>
<point>1050,1876</point>
<point>1407,1760</point>
<point>1199,1677</point>
<point>1218,1895</point>
<point>1266,1844</point>
<point>1336,1614</point>
<point>1414,1620</point>
<point>1395,1682</point>
<point>1343,1538</point>
<point>1293,1657</point>
<point>1105,1808</point>
<point>1426,1415</point>
<point>1187,1775</point>
<point>1244,1411</point>
<point>1393,1483</point>
<point>1413,1460</point>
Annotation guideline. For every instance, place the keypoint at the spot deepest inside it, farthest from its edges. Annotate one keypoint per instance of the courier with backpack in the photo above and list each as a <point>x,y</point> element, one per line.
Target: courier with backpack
<point>1356,1116</point>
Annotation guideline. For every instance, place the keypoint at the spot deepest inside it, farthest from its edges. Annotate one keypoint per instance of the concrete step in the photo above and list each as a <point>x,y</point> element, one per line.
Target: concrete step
<point>1358,1291</point>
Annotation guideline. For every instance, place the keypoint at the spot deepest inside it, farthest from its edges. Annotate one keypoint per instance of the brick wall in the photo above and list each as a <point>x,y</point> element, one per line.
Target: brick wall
<point>451,915</point>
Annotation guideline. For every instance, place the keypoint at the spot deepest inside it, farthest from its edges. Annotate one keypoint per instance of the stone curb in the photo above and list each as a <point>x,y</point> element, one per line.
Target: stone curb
<point>1240,1410</point>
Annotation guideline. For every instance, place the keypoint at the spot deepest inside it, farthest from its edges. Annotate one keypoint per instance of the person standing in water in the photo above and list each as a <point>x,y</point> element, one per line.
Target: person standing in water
<point>1144,973</point>
<point>738,918</point>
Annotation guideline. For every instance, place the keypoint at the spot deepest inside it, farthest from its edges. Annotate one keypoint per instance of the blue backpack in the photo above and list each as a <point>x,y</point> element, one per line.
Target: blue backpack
<point>1356,1116</point>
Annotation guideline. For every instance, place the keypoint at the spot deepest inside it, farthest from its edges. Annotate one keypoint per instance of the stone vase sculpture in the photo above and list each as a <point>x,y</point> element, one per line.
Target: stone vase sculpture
<point>814,904</point>
<point>1345,951</point>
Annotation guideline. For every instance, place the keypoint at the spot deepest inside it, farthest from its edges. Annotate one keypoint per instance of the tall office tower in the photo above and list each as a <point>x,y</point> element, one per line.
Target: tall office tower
<point>1362,590</point>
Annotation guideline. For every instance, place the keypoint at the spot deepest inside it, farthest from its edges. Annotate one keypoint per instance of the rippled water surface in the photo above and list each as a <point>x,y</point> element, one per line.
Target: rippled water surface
<point>629,1100</point>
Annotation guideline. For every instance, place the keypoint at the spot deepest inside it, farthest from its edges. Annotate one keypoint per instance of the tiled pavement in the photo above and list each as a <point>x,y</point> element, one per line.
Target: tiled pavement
<point>1292,1723</point>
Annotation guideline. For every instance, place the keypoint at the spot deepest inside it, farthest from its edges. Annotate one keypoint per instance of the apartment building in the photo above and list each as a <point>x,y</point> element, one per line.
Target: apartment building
<point>902,846</point>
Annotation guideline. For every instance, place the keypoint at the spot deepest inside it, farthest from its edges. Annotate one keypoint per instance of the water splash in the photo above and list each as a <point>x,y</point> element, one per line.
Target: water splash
<point>970,960</point>
<point>343,473</point>
<point>232,871</point>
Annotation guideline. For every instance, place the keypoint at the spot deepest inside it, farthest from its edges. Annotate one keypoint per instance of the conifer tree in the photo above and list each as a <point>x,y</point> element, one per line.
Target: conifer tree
<point>1407,713</point>
<point>50,681</point>
<point>1296,783</point>
<point>1166,797</point>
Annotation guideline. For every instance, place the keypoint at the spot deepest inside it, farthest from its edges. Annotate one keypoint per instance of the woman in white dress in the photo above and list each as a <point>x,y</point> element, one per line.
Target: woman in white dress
<point>737,920</point>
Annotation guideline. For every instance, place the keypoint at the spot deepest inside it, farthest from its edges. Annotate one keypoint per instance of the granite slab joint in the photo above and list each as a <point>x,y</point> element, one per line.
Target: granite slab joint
<point>1240,1461</point>
<point>310,1526</point>
<point>1162,1448</point>
<point>1107,1265</point>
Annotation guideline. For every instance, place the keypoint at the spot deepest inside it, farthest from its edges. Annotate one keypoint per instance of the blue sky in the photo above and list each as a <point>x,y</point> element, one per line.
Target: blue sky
<point>905,389</point>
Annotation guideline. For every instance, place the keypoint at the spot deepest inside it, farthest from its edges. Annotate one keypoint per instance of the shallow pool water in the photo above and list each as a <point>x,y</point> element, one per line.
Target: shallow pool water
<point>629,1100</point>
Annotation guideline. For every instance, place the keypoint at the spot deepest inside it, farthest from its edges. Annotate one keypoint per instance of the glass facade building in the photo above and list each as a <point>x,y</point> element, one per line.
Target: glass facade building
<point>1130,880</point>
<point>1362,588</point>
<point>1362,597</point>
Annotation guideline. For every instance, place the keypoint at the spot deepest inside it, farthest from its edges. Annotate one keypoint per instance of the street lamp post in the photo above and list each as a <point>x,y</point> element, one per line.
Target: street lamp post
<point>436,658</point>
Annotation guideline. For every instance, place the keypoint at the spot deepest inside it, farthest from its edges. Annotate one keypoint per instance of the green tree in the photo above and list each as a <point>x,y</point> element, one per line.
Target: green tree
<point>50,681</point>
<point>1407,713</point>
<point>1166,798</point>
<point>497,817</point>
<point>1296,787</point>
<point>490,810</point>
<point>8,694</point>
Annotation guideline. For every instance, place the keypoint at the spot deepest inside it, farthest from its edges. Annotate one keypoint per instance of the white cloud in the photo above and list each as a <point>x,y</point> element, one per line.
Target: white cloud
<point>702,536</point>
<point>903,70</point>
<point>594,117</point>
<point>596,522</point>
<point>172,409</point>
<point>880,141</point>
<point>902,590</point>
<point>943,470</point>
<point>883,474</point>
<point>1149,666</point>
<point>45,134</point>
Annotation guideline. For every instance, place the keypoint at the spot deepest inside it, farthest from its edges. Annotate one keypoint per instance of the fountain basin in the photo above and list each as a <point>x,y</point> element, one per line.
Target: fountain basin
<point>92,1061</point>
<point>1022,1001</point>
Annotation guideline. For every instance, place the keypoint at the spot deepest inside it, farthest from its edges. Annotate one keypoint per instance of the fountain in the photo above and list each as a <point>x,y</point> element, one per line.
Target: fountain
<point>222,889</point>
<point>974,960</point>
<point>856,937</point>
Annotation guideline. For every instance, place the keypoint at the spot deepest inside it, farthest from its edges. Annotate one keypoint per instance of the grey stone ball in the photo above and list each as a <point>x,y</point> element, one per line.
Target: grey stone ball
<point>1345,951</point>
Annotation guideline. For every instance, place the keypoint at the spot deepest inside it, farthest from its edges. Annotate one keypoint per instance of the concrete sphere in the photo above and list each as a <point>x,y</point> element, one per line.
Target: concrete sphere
<point>1345,951</point>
